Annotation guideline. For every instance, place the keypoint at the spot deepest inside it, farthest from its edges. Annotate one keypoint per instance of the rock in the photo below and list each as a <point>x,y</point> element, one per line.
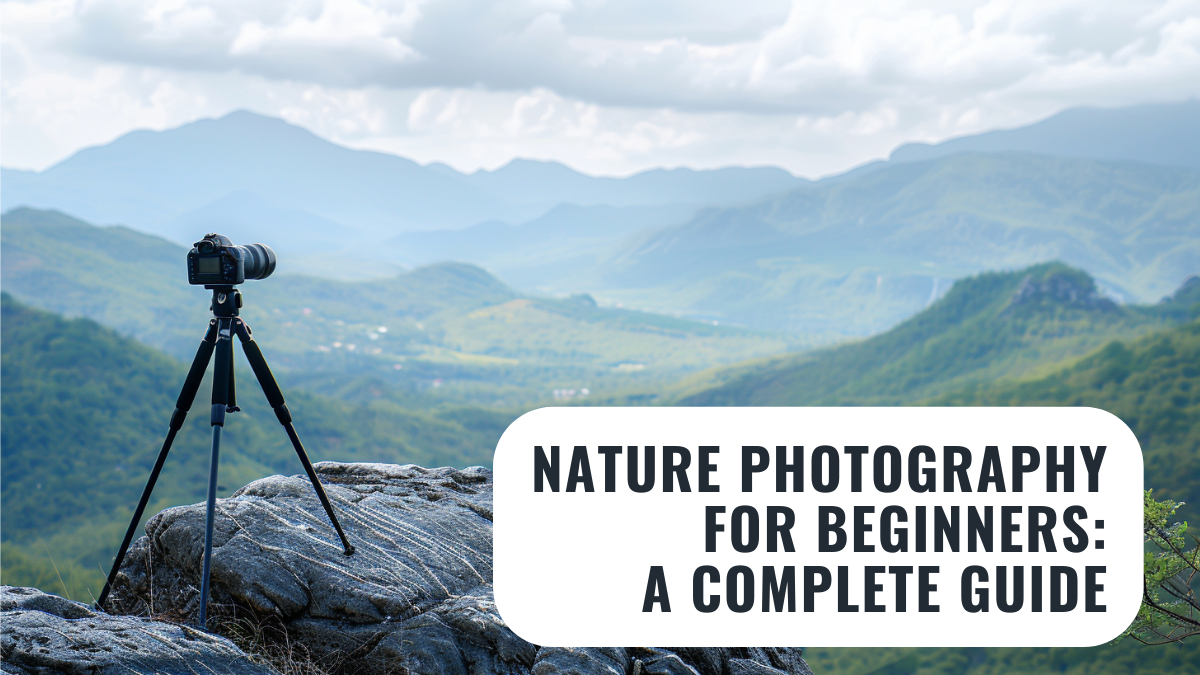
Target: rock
<point>46,634</point>
<point>416,597</point>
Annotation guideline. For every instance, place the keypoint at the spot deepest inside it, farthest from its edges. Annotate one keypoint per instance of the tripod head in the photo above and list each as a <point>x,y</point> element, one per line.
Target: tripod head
<point>226,301</point>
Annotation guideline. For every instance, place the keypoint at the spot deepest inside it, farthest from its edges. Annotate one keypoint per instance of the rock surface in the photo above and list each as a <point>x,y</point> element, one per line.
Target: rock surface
<point>416,597</point>
<point>44,633</point>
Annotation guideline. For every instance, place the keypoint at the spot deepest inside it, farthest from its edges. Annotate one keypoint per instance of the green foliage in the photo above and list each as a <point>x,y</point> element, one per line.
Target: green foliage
<point>83,415</point>
<point>1170,611</point>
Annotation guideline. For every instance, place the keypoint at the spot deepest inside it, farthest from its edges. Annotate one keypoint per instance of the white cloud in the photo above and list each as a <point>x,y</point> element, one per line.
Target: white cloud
<point>606,86</point>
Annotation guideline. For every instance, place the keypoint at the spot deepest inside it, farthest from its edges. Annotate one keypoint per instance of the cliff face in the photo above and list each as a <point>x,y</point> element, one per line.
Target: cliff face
<point>416,597</point>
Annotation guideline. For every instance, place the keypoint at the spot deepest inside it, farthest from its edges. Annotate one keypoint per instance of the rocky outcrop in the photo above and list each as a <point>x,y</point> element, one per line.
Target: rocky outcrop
<point>416,597</point>
<point>44,633</point>
<point>1062,288</point>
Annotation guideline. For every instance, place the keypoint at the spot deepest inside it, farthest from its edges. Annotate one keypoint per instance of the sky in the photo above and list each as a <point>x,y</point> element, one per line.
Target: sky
<point>609,88</point>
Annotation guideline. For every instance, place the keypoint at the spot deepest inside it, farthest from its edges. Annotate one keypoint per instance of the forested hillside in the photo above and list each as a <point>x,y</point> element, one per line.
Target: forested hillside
<point>992,326</point>
<point>83,415</point>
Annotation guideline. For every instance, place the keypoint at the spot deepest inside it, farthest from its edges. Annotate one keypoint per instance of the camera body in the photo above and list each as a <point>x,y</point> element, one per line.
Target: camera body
<point>216,261</point>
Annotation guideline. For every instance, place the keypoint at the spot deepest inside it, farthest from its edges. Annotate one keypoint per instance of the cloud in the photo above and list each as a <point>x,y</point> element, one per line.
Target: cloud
<point>670,80</point>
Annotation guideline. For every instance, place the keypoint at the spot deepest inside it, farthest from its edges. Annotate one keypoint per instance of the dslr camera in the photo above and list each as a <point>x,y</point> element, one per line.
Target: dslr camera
<point>216,261</point>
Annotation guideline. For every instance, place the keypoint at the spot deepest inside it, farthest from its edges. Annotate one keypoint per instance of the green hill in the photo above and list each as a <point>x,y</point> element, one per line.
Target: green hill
<point>992,326</point>
<point>444,332</point>
<point>83,414</point>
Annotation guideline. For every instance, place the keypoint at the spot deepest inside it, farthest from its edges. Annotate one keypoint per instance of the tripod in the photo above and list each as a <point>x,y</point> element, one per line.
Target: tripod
<point>226,302</point>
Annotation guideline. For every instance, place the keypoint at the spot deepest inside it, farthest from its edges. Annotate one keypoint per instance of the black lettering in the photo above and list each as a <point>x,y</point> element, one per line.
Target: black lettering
<point>844,590</point>
<point>634,485</point>
<point>610,453</point>
<point>656,591</point>
<point>783,468</point>
<point>1008,528</point>
<point>712,527</point>
<point>861,528</point>
<point>751,467</point>
<point>1035,588</point>
<point>777,531</point>
<point>748,542</point>
<point>925,588</point>
<point>1066,468</point>
<point>992,473</point>
<point>979,530</point>
<point>929,474</point>
<point>954,468</point>
<point>1045,529</point>
<point>900,545</point>
<point>870,588</point>
<point>776,590</point>
<point>901,573</point>
<point>888,456</point>
<point>1070,518</point>
<point>825,526</point>
<point>714,601</point>
<point>581,470</point>
<point>1093,465</point>
<point>825,454</point>
<point>1002,602</point>
<point>545,468</point>
<point>1059,589</point>
<point>920,529</point>
<point>1090,587</point>
<point>731,588</point>
<point>1021,467</point>
<point>974,599</point>
<point>944,529</point>
<point>673,470</point>
<point>856,453</point>
<point>707,468</point>
<point>812,587</point>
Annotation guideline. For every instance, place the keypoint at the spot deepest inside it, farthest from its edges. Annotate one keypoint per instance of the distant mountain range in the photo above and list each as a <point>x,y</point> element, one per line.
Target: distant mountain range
<point>859,255</point>
<point>1163,134</point>
<point>261,178</point>
<point>1114,191</point>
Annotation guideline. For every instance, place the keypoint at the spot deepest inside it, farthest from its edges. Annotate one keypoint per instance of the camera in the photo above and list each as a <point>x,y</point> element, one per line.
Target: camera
<point>216,261</point>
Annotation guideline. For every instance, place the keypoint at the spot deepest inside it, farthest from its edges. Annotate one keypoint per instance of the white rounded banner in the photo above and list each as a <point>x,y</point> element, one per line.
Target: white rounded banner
<point>837,527</point>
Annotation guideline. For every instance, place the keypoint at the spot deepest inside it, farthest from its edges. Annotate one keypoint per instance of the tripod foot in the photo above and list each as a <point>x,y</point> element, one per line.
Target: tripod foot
<point>350,549</point>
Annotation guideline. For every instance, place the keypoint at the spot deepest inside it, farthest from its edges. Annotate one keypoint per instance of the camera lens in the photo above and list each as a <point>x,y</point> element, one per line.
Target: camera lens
<point>259,261</point>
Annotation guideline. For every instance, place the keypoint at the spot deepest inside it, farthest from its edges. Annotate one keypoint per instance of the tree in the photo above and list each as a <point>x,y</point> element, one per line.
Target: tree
<point>1170,610</point>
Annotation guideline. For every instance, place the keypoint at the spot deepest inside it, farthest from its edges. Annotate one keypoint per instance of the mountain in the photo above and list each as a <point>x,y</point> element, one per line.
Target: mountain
<point>281,182</point>
<point>527,181</point>
<point>991,327</point>
<point>443,332</point>
<point>83,414</point>
<point>858,255</point>
<point>1157,133</point>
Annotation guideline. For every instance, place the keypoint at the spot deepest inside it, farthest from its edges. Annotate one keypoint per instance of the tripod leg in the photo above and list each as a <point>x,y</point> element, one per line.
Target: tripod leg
<point>275,398</point>
<point>220,401</point>
<point>182,405</point>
